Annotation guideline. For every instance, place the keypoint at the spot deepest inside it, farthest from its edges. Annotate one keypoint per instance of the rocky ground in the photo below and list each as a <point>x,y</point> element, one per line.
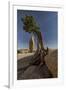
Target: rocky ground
<point>27,71</point>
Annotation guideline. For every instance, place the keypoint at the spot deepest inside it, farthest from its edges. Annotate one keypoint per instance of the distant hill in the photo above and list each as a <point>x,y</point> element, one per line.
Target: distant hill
<point>26,50</point>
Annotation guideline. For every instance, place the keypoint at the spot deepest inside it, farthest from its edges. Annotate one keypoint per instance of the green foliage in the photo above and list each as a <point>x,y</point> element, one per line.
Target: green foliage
<point>30,24</point>
<point>18,51</point>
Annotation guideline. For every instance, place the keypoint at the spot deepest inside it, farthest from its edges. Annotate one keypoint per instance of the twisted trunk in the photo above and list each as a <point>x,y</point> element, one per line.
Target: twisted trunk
<point>41,52</point>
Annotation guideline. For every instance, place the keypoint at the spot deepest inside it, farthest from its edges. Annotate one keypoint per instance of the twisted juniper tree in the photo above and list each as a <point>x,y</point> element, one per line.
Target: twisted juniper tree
<point>30,26</point>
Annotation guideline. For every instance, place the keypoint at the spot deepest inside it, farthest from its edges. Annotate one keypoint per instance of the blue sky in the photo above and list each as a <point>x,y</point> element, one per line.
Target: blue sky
<point>47,21</point>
